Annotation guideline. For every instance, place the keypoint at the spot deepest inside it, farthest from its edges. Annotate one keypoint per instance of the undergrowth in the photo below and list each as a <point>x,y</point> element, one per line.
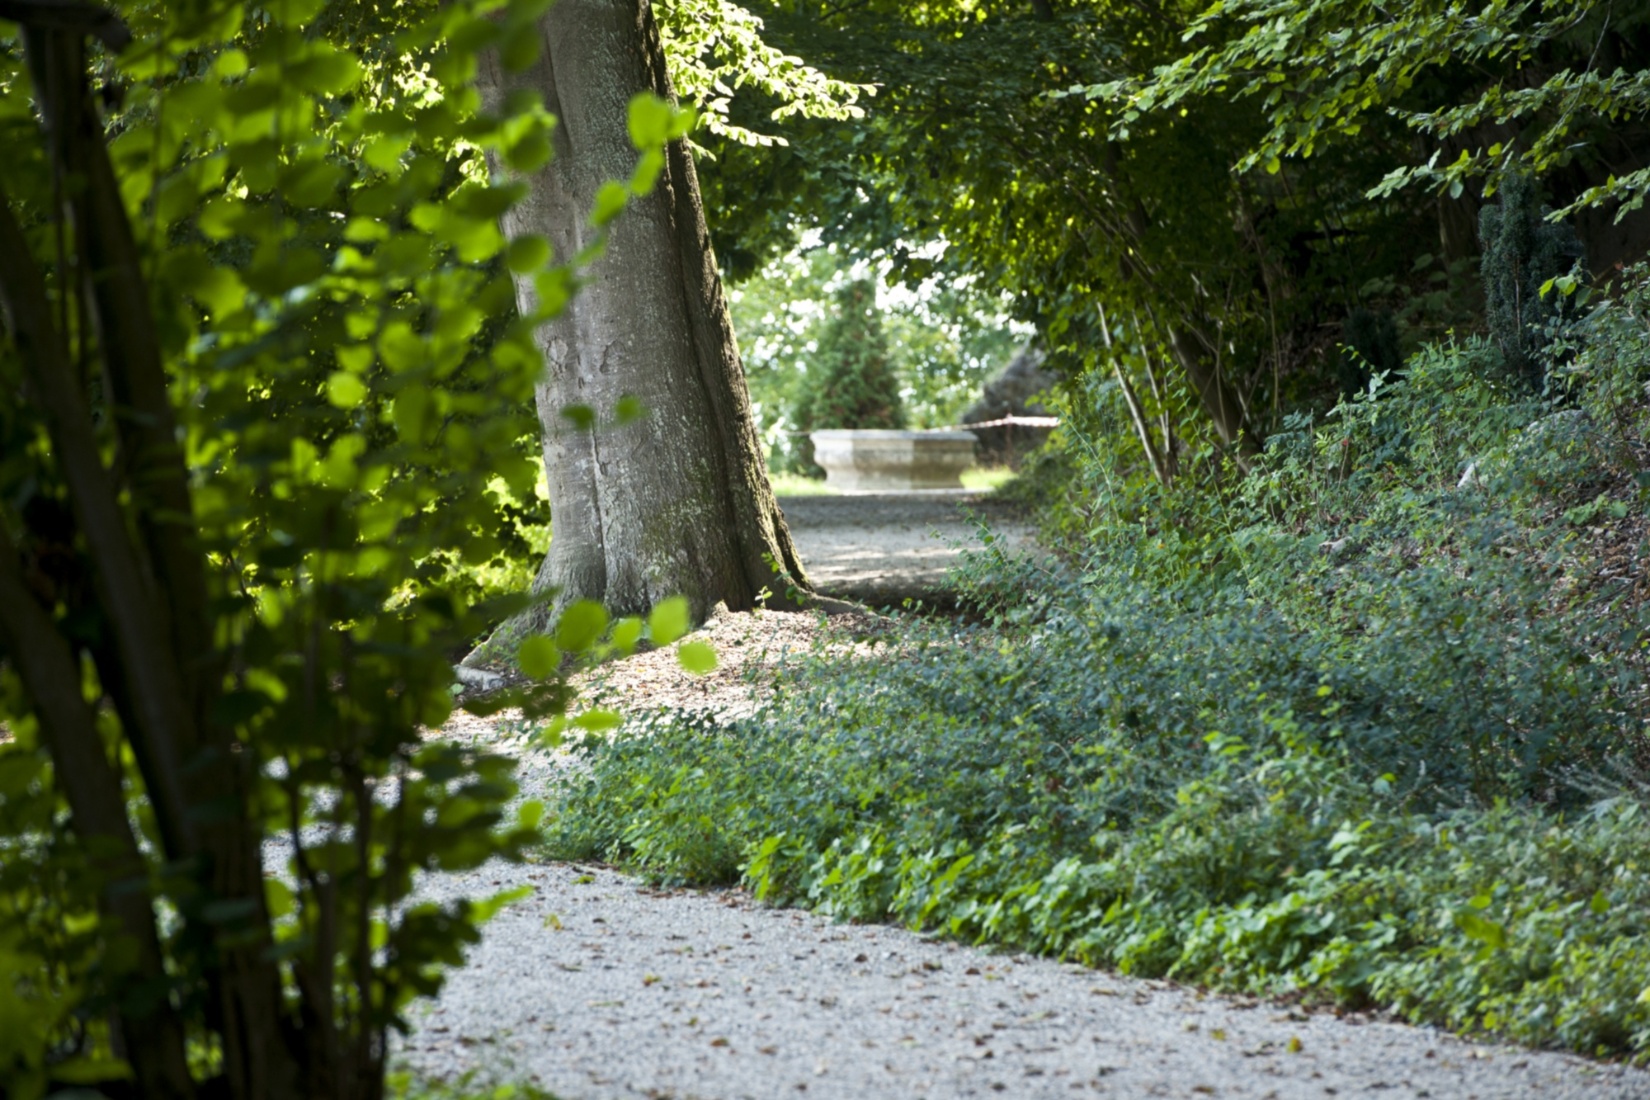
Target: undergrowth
<point>1364,725</point>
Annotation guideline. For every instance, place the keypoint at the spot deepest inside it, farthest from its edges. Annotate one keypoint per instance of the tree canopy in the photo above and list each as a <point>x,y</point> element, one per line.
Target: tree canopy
<point>1202,196</point>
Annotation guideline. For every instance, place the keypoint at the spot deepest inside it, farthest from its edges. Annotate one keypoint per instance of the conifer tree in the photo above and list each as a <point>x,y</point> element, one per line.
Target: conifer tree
<point>852,383</point>
<point>1522,250</point>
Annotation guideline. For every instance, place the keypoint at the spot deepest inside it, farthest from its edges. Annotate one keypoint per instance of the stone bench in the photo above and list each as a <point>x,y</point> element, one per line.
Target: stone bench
<point>878,460</point>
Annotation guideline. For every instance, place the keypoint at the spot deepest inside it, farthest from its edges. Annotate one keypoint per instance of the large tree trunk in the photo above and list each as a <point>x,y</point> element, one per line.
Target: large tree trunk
<point>678,502</point>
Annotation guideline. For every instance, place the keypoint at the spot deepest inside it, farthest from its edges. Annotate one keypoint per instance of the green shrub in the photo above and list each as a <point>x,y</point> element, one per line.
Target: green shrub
<point>1270,865</point>
<point>1371,347</point>
<point>1608,364</point>
<point>1323,730</point>
<point>237,503</point>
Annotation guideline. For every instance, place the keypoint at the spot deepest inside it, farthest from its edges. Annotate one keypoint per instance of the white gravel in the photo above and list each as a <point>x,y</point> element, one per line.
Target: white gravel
<point>599,987</point>
<point>885,547</point>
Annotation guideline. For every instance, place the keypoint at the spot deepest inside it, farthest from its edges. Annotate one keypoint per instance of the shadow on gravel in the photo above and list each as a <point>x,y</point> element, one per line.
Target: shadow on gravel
<point>883,549</point>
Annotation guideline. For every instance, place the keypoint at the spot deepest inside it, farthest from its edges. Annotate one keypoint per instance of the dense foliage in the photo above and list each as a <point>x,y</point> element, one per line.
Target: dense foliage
<point>1498,90</point>
<point>1524,256</point>
<point>1335,687</point>
<point>1200,201</point>
<point>242,294</point>
<point>1368,725</point>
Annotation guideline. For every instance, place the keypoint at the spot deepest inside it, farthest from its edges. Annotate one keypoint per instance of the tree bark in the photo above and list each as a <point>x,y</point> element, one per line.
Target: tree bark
<point>154,1041</point>
<point>156,661</point>
<point>677,502</point>
<point>1219,399</point>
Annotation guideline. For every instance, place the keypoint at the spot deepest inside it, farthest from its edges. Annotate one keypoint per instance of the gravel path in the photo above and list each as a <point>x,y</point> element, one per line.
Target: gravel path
<point>885,547</point>
<point>598,987</point>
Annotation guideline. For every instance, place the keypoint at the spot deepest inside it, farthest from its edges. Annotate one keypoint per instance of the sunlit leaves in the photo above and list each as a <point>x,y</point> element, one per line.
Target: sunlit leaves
<point>580,625</point>
<point>611,198</point>
<point>647,172</point>
<point>1319,81</point>
<point>345,390</point>
<point>527,254</point>
<point>598,720</point>
<point>539,657</point>
<point>653,122</point>
<point>313,225</point>
<point>697,657</point>
<point>323,69</point>
<point>669,620</point>
<point>319,234</point>
<point>715,47</point>
<point>626,633</point>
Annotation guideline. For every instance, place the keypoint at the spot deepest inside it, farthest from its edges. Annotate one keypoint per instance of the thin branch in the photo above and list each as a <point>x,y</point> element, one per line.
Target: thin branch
<point>130,346</point>
<point>1137,412</point>
<point>51,676</point>
<point>125,589</point>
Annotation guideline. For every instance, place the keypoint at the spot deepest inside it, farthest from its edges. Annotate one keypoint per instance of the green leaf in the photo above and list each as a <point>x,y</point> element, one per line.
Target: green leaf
<point>669,620</point>
<point>1485,931</point>
<point>697,657</point>
<point>230,64</point>
<point>529,814</point>
<point>626,633</point>
<point>650,121</point>
<point>583,417</point>
<point>538,657</point>
<point>345,390</point>
<point>555,288</point>
<point>527,254</point>
<point>385,152</point>
<point>580,626</point>
<point>487,908</point>
<point>551,736</point>
<point>647,171</point>
<point>279,898</point>
<point>400,348</point>
<point>610,200</point>
<point>355,358</point>
<point>326,70</point>
<point>519,51</point>
<point>410,413</point>
<point>627,409</point>
<point>221,291</point>
<point>530,152</point>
